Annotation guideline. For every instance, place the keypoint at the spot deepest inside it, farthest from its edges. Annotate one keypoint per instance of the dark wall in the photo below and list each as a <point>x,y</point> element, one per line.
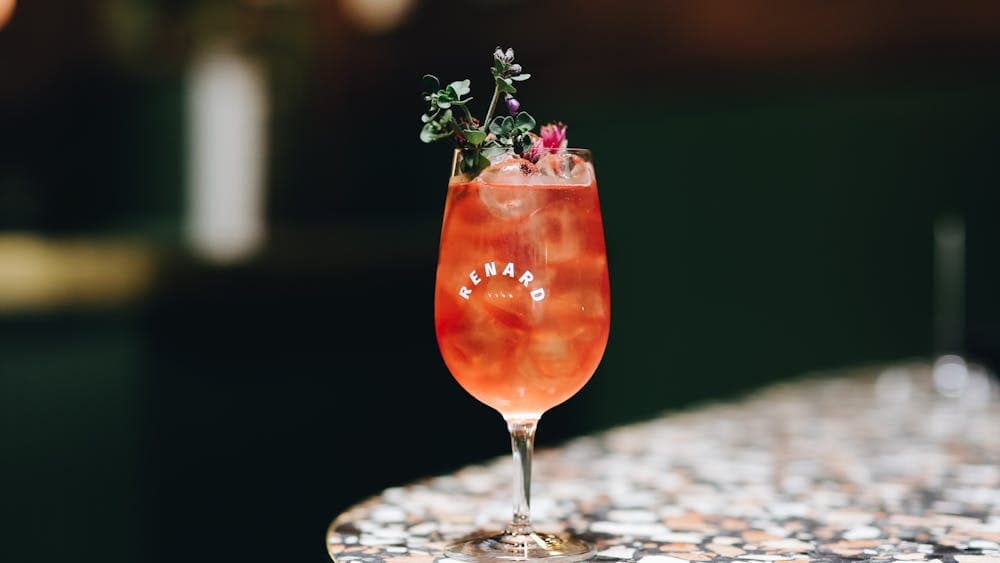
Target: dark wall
<point>769,201</point>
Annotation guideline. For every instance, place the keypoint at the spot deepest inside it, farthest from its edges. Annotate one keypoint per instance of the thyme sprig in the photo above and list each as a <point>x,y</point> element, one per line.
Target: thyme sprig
<point>448,115</point>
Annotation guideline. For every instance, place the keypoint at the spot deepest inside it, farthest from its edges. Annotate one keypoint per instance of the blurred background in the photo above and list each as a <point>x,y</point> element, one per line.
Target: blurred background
<point>218,236</point>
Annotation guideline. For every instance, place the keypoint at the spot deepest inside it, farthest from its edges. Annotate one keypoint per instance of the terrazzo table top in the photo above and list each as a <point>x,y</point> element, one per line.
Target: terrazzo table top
<point>868,465</point>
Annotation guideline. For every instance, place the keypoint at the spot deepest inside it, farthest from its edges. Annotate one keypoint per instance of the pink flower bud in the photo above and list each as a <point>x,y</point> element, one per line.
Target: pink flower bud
<point>553,136</point>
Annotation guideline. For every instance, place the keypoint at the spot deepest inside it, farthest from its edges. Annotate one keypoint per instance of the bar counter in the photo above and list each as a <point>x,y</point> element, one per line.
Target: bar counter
<point>898,463</point>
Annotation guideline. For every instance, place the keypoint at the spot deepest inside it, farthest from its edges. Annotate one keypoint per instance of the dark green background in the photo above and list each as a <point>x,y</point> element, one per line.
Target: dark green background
<point>758,226</point>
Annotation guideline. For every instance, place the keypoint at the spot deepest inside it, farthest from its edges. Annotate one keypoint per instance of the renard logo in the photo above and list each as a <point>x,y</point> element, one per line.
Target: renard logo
<point>490,270</point>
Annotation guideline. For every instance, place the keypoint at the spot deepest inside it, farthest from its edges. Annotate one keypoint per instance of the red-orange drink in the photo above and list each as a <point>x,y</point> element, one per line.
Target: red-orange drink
<point>522,305</point>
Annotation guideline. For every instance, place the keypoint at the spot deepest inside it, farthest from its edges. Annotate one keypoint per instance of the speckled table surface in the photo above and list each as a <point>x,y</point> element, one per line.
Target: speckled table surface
<point>871,464</point>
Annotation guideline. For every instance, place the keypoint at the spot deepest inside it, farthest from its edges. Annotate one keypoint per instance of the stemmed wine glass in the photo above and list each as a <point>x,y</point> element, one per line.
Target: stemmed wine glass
<point>522,311</point>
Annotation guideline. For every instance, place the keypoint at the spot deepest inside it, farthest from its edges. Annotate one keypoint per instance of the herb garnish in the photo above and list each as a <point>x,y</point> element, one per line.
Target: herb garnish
<point>448,115</point>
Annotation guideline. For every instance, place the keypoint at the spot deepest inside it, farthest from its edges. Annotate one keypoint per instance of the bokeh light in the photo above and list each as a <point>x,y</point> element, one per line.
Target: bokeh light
<point>377,15</point>
<point>6,10</point>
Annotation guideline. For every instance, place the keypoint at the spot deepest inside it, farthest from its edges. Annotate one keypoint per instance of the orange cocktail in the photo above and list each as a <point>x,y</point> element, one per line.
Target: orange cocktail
<point>522,304</point>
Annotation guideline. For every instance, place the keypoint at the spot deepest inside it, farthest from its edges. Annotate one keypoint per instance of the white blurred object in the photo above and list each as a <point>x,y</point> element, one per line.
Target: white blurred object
<point>565,169</point>
<point>227,119</point>
<point>980,387</point>
<point>950,376</point>
<point>377,15</point>
<point>893,386</point>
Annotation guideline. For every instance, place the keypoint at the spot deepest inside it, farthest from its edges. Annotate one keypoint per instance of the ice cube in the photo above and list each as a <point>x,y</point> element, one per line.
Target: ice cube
<point>555,363</point>
<point>559,230</point>
<point>497,158</point>
<point>550,356</point>
<point>506,302</point>
<point>482,331</point>
<point>574,307</point>
<point>508,202</point>
<point>511,171</point>
<point>497,191</point>
<point>565,169</point>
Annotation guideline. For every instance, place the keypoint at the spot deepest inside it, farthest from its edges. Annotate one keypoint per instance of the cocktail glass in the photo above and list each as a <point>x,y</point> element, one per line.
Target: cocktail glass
<point>522,312</point>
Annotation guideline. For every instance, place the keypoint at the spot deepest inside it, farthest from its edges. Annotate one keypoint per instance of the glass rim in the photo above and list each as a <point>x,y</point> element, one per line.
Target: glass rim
<point>572,150</point>
<point>585,154</point>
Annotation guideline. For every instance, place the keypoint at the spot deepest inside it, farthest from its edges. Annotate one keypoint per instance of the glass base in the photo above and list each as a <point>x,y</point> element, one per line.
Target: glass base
<point>521,547</point>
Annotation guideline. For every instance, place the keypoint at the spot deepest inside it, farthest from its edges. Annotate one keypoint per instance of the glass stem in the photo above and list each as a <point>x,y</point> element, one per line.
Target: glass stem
<point>522,442</point>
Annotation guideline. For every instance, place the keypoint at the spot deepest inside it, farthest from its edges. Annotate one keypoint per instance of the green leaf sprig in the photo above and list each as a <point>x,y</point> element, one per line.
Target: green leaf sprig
<point>448,115</point>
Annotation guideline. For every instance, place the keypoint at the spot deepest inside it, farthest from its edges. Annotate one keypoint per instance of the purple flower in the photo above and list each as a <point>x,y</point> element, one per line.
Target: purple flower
<point>513,106</point>
<point>505,56</point>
